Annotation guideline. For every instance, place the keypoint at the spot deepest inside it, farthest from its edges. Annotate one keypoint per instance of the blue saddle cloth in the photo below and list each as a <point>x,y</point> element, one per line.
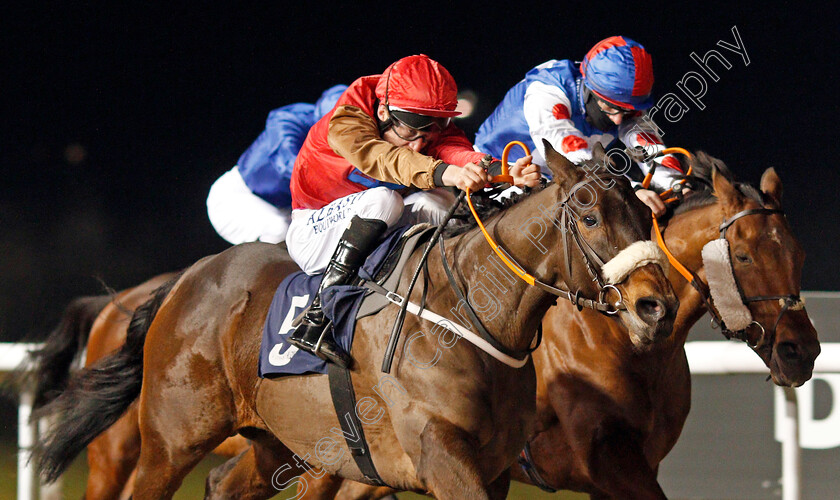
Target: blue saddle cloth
<point>340,303</point>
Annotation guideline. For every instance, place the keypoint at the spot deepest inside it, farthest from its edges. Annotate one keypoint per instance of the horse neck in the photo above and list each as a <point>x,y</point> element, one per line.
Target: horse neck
<point>685,236</point>
<point>508,307</point>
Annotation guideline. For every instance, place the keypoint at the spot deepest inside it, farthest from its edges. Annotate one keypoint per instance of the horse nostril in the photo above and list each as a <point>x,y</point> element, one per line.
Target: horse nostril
<point>788,351</point>
<point>651,310</point>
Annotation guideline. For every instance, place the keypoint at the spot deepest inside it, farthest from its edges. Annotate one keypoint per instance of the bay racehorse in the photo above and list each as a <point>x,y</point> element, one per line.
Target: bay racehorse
<point>452,431</point>
<point>92,327</point>
<point>609,411</point>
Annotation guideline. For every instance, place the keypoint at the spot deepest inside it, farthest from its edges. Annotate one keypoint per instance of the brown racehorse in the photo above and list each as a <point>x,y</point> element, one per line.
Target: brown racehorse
<point>98,324</point>
<point>453,430</point>
<point>632,411</point>
<point>609,412</point>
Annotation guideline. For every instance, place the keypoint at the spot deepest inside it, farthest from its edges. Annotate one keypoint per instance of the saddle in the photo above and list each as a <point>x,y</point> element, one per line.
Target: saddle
<point>342,304</point>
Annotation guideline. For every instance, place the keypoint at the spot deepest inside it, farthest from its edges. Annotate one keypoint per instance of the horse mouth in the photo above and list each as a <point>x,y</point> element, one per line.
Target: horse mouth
<point>652,320</point>
<point>787,374</point>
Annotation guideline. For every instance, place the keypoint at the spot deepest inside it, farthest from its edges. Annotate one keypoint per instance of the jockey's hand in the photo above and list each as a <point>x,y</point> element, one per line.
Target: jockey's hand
<point>652,200</point>
<point>470,176</point>
<point>525,173</point>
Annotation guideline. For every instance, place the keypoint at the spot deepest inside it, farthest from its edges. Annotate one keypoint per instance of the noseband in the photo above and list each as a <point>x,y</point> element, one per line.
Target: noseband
<point>787,302</point>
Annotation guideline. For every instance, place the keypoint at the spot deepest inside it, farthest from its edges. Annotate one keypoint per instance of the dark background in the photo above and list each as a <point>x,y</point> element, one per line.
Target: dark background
<point>116,120</point>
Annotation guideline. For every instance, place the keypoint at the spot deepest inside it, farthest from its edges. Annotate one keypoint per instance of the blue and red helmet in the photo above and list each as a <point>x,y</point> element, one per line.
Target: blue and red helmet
<point>619,71</point>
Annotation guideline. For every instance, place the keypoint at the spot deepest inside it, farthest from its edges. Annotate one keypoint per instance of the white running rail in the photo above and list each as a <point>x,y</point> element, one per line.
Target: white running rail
<point>704,358</point>
<point>11,356</point>
<point>731,358</point>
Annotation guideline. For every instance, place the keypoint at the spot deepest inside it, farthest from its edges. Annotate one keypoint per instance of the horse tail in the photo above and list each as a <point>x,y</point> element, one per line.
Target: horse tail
<point>47,369</point>
<point>96,397</point>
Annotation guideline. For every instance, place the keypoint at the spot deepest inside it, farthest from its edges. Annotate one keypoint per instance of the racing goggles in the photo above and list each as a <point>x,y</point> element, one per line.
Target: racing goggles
<point>412,126</point>
<point>611,110</point>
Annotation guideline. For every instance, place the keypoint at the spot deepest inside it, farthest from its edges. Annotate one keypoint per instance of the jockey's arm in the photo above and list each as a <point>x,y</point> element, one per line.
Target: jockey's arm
<point>451,159</point>
<point>548,112</point>
<point>454,148</point>
<point>355,136</point>
<point>641,133</point>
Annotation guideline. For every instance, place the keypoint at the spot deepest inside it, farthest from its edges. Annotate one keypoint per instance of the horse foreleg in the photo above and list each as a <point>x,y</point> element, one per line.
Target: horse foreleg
<point>112,457</point>
<point>619,468</point>
<point>499,488</point>
<point>129,486</point>
<point>448,465</point>
<point>259,472</point>
<point>351,490</point>
<point>323,487</point>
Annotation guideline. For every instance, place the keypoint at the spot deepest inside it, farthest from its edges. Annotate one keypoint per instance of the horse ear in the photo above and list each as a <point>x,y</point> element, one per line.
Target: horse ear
<point>726,193</point>
<point>599,154</point>
<point>565,172</point>
<point>771,185</point>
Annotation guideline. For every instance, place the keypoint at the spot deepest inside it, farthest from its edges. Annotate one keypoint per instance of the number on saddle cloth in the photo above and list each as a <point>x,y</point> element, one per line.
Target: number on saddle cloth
<point>341,305</point>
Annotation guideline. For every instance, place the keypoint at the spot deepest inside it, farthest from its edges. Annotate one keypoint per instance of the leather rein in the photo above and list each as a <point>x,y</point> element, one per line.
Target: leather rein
<point>786,301</point>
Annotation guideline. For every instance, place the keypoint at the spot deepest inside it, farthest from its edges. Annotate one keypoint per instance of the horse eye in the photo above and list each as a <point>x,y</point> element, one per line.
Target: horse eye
<point>590,221</point>
<point>743,258</point>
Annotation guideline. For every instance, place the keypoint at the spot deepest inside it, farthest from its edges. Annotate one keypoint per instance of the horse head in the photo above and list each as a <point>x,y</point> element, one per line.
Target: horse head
<point>602,234</point>
<point>763,304</point>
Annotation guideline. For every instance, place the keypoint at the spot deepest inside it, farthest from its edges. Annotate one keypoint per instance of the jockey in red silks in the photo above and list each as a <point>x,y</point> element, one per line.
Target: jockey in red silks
<point>377,160</point>
<point>575,106</point>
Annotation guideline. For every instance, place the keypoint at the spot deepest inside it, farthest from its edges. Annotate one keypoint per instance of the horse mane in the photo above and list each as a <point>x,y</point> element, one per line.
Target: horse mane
<point>486,207</point>
<point>702,191</point>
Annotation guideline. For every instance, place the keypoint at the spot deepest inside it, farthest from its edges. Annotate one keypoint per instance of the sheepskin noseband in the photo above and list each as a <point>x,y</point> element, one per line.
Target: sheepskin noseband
<point>640,253</point>
<point>725,295</point>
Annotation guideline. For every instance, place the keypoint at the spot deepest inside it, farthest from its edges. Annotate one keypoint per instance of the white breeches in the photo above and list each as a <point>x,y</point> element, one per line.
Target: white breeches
<point>239,216</point>
<point>314,234</point>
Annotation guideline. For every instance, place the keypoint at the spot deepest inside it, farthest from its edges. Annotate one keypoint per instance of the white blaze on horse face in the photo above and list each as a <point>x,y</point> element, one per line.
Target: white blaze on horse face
<point>640,253</point>
<point>774,235</point>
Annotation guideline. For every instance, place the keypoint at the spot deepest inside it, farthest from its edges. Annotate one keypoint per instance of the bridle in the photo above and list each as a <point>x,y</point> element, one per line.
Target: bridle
<point>568,217</point>
<point>591,259</point>
<point>786,301</point>
<point>569,228</point>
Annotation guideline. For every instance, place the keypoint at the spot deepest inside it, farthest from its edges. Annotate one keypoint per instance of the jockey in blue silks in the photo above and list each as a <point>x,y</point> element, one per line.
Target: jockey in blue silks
<point>252,201</point>
<point>573,106</point>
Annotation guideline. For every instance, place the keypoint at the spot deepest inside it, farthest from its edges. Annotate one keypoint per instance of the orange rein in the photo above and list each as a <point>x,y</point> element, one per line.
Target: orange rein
<point>665,197</point>
<point>504,177</point>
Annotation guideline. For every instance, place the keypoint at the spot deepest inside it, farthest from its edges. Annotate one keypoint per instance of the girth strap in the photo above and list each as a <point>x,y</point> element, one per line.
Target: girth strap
<point>530,468</point>
<point>344,400</point>
<point>453,327</point>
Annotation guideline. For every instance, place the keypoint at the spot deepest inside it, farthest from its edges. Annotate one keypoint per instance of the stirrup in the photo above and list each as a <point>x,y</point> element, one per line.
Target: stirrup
<point>328,349</point>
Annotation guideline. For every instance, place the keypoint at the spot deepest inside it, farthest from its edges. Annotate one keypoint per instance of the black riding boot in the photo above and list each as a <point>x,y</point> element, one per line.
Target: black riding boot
<point>313,334</point>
